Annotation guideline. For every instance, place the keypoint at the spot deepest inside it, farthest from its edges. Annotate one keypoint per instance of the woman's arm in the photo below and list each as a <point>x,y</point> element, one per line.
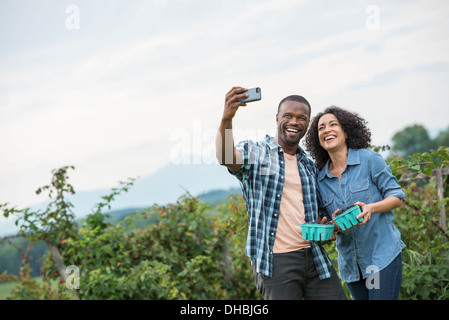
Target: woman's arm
<point>387,204</point>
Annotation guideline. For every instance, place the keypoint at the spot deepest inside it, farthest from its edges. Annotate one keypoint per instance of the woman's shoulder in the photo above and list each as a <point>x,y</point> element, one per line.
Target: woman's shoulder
<point>371,158</point>
<point>365,151</point>
<point>368,153</point>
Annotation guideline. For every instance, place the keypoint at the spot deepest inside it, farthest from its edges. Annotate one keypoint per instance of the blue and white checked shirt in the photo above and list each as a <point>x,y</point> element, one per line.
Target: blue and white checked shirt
<point>262,179</point>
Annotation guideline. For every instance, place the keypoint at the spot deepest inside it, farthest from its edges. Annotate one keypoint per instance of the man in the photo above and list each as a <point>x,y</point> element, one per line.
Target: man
<point>279,189</point>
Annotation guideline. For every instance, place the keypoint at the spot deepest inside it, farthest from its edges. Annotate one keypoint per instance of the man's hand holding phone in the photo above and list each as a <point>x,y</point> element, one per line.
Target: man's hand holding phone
<point>227,155</point>
<point>239,97</point>
<point>231,102</point>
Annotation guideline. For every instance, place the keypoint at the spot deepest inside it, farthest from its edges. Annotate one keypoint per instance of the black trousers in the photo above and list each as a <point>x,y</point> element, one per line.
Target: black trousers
<point>295,278</point>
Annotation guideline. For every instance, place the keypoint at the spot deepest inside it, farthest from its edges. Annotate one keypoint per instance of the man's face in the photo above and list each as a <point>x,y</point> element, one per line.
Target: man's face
<point>292,122</point>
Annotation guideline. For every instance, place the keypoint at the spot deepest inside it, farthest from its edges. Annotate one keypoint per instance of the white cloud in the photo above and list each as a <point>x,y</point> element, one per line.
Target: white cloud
<point>109,98</point>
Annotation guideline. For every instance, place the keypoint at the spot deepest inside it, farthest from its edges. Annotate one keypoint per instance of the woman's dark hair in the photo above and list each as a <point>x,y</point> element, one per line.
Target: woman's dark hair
<point>359,136</point>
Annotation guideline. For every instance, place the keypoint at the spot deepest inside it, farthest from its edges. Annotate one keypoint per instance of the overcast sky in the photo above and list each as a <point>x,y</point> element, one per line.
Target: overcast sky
<point>121,88</point>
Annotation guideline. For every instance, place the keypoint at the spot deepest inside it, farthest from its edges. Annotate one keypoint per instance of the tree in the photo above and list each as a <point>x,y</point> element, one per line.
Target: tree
<point>412,139</point>
<point>442,139</point>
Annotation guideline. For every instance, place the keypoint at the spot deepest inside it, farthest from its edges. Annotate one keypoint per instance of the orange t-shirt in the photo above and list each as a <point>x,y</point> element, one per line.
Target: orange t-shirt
<point>291,212</point>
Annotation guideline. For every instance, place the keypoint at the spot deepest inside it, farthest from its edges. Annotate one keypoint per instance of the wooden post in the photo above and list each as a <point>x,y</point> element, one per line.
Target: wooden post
<point>57,259</point>
<point>440,193</point>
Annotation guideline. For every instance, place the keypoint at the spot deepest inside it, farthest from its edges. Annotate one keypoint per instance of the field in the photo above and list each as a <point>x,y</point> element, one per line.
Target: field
<point>5,289</point>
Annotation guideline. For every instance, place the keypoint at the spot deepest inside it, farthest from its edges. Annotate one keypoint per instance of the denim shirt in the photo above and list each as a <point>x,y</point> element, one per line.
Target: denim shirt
<point>368,179</point>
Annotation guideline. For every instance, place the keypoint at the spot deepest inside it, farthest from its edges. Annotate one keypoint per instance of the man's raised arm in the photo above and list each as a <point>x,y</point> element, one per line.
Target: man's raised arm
<point>226,154</point>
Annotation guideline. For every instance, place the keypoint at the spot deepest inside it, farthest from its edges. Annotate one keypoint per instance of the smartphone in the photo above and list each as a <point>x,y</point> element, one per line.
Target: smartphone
<point>254,94</point>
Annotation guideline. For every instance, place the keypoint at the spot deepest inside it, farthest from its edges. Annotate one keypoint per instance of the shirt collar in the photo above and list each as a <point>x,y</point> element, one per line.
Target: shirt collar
<point>353,159</point>
<point>273,144</point>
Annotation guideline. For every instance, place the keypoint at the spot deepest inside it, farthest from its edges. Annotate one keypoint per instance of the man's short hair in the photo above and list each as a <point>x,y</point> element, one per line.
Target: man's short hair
<point>296,98</point>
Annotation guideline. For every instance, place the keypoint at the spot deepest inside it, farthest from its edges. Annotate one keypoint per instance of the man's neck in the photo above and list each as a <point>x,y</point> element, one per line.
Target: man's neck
<point>288,149</point>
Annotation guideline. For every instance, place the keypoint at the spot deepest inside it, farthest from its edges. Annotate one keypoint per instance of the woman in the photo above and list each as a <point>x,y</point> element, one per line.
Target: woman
<point>369,254</point>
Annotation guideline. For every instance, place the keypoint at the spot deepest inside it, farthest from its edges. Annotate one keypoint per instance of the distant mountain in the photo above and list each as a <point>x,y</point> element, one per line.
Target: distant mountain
<point>215,197</point>
<point>163,186</point>
<point>211,198</point>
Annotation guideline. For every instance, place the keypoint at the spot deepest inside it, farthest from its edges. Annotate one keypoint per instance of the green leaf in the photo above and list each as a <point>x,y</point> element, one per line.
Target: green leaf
<point>437,161</point>
<point>426,156</point>
<point>427,170</point>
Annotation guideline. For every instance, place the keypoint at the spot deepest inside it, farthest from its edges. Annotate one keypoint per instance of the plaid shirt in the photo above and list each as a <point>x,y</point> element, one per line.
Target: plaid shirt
<point>262,179</point>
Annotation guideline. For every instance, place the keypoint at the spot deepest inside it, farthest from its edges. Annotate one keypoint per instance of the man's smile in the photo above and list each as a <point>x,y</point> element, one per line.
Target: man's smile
<point>292,130</point>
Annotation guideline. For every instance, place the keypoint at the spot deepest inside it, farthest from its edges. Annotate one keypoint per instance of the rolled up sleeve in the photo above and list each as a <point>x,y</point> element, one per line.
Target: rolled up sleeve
<point>384,179</point>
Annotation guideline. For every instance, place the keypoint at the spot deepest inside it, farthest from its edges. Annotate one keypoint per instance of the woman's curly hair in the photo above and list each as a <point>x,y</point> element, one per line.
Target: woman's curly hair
<point>359,136</point>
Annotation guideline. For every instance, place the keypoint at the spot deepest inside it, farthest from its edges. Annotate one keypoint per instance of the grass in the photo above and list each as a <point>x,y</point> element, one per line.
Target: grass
<point>5,289</point>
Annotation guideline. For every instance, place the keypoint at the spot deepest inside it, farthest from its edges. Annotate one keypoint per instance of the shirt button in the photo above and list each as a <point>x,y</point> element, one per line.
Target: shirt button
<point>275,215</point>
<point>278,195</point>
<point>282,177</point>
<point>272,233</point>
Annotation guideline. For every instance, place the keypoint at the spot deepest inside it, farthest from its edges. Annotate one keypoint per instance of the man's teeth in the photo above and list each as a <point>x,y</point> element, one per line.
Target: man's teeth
<point>293,130</point>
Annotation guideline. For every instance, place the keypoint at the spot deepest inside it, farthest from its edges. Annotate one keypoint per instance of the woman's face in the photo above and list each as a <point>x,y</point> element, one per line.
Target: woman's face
<point>330,133</point>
